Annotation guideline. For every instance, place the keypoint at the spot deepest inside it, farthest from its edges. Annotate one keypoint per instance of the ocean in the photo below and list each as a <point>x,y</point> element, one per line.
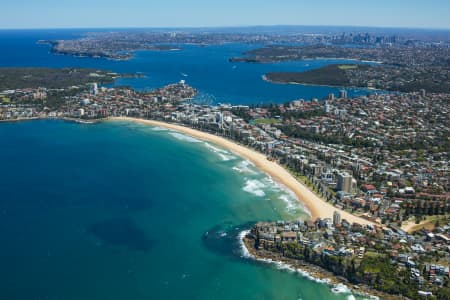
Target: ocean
<point>118,210</point>
<point>126,211</point>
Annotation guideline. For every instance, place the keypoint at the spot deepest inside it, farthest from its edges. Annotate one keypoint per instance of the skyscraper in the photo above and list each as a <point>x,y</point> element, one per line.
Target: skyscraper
<point>343,94</point>
<point>336,218</point>
<point>344,182</point>
<point>94,88</point>
<point>423,92</point>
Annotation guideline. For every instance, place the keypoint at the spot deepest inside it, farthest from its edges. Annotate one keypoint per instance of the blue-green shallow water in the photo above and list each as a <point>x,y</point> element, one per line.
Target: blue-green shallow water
<point>118,211</point>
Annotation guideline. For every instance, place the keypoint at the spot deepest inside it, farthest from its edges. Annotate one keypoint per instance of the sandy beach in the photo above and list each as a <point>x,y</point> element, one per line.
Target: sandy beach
<point>315,205</point>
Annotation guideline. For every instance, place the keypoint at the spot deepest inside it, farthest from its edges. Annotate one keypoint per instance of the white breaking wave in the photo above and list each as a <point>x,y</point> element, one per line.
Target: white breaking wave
<point>244,167</point>
<point>275,190</point>
<point>341,289</point>
<point>225,157</point>
<point>291,205</point>
<point>215,149</point>
<point>255,187</point>
<point>287,196</point>
<point>157,128</point>
<point>223,154</point>
<point>184,138</point>
<point>244,251</point>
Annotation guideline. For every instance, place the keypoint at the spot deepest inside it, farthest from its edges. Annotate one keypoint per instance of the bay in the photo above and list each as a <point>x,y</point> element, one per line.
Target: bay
<point>205,67</point>
<point>120,211</point>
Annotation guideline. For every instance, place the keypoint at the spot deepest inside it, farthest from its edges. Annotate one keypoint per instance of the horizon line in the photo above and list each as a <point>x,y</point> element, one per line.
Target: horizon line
<point>225,27</point>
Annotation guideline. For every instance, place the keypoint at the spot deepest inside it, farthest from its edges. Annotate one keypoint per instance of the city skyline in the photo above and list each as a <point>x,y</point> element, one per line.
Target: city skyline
<point>26,14</point>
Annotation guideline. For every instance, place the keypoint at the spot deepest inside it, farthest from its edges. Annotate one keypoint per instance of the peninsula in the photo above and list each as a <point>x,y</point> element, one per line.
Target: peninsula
<point>372,260</point>
<point>52,78</point>
<point>331,75</point>
<point>113,51</point>
<point>403,68</point>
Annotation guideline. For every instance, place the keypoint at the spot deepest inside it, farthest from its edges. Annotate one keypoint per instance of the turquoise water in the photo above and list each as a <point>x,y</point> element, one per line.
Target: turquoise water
<point>206,68</point>
<point>120,211</point>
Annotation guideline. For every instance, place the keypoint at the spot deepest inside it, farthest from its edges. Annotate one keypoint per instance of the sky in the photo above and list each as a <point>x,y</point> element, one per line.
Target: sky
<point>213,13</point>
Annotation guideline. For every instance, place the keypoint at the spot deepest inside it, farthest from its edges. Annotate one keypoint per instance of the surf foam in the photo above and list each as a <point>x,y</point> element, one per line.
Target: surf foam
<point>223,154</point>
<point>255,187</point>
<point>287,196</point>
<point>184,138</point>
<point>341,289</point>
<point>244,167</point>
<point>157,128</point>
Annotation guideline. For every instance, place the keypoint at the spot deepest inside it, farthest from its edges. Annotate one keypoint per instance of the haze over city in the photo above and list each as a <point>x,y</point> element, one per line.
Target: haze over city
<point>204,13</point>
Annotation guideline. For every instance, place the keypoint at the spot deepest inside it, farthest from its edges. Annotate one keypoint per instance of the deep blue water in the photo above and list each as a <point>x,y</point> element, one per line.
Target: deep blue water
<point>206,68</point>
<point>121,211</point>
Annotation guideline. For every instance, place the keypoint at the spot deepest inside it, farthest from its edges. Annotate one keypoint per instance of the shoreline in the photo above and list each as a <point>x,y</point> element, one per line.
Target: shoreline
<point>310,271</point>
<point>67,119</point>
<point>264,78</point>
<point>249,60</point>
<point>21,119</point>
<point>317,207</point>
<point>314,206</point>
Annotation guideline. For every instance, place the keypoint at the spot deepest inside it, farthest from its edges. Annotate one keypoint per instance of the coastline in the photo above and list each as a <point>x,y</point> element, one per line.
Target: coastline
<point>20,120</point>
<point>67,119</point>
<point>264,77</point>
<point>316,207</point>
<point>271,61</point>
<point>310,271</point>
